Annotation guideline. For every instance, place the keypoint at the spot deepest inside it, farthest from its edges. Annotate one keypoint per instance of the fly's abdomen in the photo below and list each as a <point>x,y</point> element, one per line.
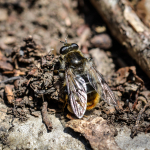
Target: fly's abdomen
<point>92,96</point>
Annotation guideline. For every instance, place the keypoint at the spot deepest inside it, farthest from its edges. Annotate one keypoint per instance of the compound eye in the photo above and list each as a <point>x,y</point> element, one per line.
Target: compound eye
<point>64,50</point>
<point>74,46</point>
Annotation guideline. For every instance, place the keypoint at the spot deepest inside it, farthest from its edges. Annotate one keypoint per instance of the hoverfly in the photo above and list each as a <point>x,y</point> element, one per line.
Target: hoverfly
<point>83,85</point>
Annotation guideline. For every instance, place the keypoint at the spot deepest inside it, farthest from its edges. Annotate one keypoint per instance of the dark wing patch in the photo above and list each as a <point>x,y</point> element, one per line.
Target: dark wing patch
<point>77,93</point>
<point>99,84</point>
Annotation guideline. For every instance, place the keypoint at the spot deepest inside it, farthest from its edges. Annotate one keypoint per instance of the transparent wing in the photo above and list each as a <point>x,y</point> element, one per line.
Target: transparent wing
<point>77,93</point>
<point>99,84</point>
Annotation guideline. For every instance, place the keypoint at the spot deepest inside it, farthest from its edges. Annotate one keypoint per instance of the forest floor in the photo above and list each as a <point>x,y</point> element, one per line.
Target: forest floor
<point>31,115</point>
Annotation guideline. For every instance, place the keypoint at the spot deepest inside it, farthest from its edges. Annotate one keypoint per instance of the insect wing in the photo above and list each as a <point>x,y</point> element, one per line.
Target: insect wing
<point>100,85</point>
<point>77,93</point>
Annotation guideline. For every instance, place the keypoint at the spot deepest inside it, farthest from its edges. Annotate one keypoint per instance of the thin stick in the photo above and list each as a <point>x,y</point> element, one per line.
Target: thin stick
<point>45,117</point>
<point>10,79</point>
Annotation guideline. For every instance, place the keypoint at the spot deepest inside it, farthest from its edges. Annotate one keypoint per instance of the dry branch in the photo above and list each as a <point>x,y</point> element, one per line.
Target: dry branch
<point>127,28</point>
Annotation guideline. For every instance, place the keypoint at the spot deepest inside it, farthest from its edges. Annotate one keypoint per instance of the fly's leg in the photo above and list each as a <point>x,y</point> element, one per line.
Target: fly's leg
<point>64,97</point>
<point>63,92</point>
<point>56,72</point>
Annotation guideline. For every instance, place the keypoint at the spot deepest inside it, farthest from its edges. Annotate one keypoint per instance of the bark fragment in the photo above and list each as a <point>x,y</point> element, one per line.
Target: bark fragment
<point>96,131</point>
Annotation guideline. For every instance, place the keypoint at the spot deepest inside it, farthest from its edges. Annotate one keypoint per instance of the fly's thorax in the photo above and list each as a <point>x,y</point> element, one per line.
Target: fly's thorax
<point>75,59</point>
<point>72,56</point>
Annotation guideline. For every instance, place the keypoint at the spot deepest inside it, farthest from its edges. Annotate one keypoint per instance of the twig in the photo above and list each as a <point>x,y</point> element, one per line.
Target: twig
<point>134,130</point>
<point>10,79</point>
<point>136,98</point>
<point>45,116</point>
<point>127,28</point>
<point>147,129</point>
<point>140,113</point>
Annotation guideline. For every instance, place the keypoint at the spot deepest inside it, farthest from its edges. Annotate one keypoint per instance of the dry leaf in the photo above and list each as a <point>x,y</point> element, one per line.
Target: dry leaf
<point>96,131</point>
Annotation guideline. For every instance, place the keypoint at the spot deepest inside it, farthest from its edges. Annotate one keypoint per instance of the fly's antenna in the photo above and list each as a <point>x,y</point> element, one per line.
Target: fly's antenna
<point>65,43</point>
<point>61,41</point>
<point>66,39</point>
